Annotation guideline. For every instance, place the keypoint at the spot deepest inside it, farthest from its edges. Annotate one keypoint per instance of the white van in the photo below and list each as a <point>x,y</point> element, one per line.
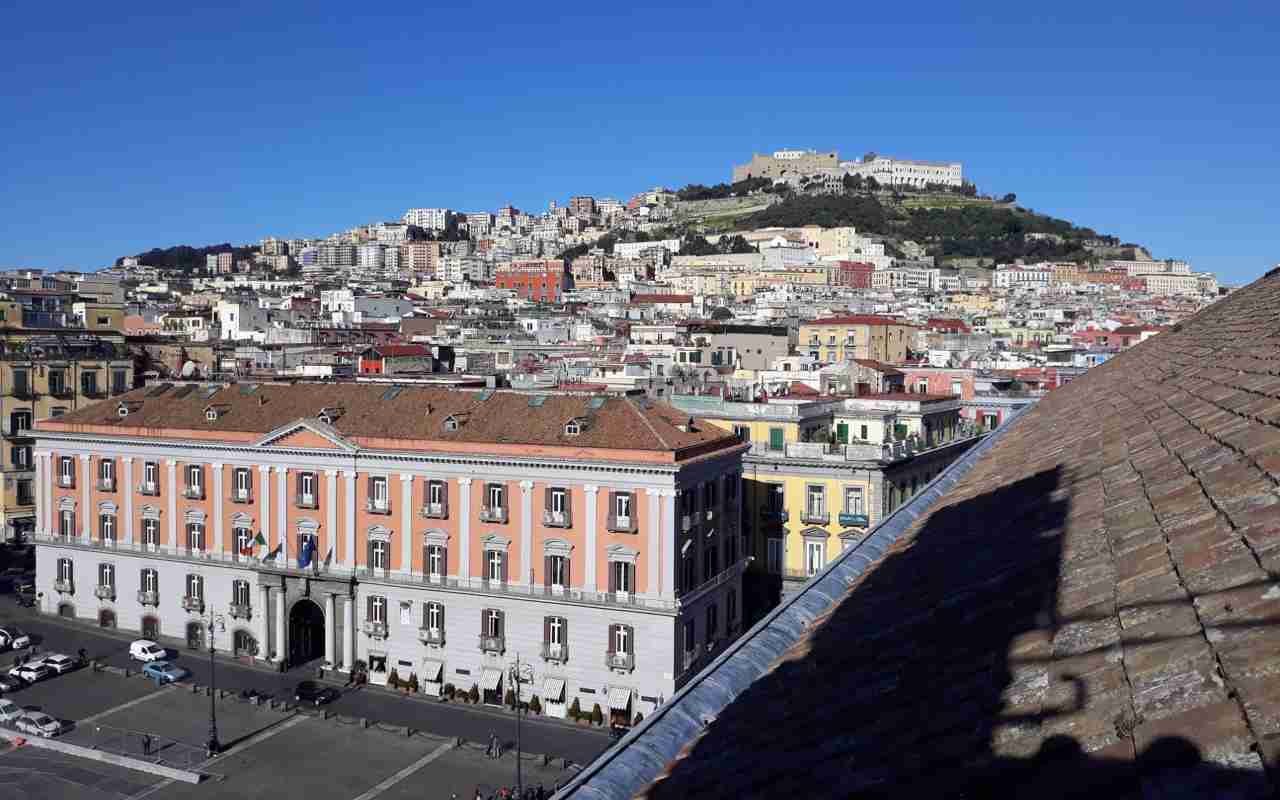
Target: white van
<point>146,650</point>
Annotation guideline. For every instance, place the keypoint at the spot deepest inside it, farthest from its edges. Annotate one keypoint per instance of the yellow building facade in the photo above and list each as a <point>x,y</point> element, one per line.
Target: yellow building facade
<point>864,336</point>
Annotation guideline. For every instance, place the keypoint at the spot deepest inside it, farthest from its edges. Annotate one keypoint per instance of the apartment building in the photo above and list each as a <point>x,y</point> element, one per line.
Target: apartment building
<point>820,474</point>
<point>535,279</point>
<point>434,532</point>
<point>859,336</point>
<point>41,377</point>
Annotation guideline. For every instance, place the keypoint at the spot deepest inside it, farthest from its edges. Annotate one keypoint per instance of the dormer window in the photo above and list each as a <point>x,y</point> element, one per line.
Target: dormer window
<point>215,412</point>
<point>126,408</point>
<point>329,414</point>
<point>454,421</point>
<point>575,426</point>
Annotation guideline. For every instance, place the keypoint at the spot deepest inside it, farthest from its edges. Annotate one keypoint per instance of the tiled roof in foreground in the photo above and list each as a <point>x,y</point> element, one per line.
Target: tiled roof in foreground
<point>1091,609</point>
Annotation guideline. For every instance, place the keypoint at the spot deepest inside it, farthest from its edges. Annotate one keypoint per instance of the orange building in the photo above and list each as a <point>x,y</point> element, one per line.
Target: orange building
<point>429,531</point>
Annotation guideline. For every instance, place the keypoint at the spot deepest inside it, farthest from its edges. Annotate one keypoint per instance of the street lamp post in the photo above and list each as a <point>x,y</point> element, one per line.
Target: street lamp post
<point>520,673</point>
<point>213,746</point>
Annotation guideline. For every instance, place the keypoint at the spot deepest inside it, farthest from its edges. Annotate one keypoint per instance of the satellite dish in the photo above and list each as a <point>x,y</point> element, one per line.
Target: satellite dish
<point>188,369</point>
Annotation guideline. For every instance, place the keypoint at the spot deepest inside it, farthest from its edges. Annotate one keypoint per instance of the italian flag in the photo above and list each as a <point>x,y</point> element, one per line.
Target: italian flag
<point>257,541</point>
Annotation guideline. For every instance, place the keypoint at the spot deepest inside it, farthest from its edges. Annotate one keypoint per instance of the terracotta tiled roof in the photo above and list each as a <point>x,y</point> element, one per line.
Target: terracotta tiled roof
<point>414,414</point>
<point>641,299</point>
<point>878,366</point>
<point>399,350</point>
<point>1092,610</point>
<point>858,319</point>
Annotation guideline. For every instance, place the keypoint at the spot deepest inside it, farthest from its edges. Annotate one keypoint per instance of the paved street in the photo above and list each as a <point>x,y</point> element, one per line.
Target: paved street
<point>95,693</point>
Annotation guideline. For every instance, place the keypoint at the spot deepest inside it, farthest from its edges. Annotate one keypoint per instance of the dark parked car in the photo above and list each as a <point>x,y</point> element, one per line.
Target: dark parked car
<point>8,683</point>
<point>315,693</point>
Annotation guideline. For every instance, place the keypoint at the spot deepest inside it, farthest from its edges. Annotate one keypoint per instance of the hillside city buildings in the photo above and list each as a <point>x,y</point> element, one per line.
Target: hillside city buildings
<point>427,445</point>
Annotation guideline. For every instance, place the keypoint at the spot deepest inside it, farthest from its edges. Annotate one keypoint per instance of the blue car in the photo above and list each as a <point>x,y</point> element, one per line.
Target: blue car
<point>163,672</point>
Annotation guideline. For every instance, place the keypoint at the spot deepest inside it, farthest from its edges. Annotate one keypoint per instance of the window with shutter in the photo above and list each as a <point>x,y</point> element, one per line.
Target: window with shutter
<point>613,511</point>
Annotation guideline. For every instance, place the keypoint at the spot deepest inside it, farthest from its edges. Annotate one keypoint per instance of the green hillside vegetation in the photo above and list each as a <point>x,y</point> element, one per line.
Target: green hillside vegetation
<point>980,230</point>
<point>186,257</point>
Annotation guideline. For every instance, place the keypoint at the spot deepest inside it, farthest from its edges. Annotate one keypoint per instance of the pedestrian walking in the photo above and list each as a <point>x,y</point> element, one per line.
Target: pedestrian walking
<point>146,744</point>
<point>478,795</point>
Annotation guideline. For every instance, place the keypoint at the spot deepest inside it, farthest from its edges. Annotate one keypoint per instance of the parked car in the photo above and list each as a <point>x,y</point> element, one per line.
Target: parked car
<point>10,711</point>
<point>8,683</point>
<point>163,672</point>
<point>38,723</point>
<point>60,663</point>
<point>31,672</point>
<point>315,693</point>
<point>146,650</point>
<point>26,599</point>
<point>12,637</point>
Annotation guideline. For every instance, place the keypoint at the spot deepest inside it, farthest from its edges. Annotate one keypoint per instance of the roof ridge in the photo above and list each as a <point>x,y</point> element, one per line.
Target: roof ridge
<point>648,424</point>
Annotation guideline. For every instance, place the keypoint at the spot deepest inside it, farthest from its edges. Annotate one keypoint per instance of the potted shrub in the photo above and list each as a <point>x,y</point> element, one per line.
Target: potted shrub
<point>575,710</point>
<point>412,684</point>
<point>359,672</point>
<point>446,691</point>
<point>597,716</point>
<point>535,705</point>
<point>509,700</point>
<point>474,694</point>
<point>393,680</point>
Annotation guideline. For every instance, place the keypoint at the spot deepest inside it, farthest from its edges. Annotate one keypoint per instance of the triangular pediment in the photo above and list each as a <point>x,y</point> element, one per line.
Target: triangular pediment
<point>306,434</point>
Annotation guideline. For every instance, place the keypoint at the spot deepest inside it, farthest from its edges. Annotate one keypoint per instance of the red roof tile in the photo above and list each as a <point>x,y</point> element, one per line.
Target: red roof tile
<point>859,319</point>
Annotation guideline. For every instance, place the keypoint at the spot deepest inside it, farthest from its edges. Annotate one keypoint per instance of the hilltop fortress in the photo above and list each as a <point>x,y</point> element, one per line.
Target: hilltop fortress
<point>791,165</point>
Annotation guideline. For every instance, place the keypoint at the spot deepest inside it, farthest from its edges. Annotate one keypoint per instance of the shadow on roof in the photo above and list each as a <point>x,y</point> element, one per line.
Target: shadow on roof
<point>949,672</point>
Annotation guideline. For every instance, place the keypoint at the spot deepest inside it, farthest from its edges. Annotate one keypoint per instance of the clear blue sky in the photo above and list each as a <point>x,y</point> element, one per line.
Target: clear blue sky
<point>127,127</point>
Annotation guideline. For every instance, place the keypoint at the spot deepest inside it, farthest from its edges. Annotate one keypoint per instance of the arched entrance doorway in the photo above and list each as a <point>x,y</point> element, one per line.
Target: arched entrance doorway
<point>106,618</point>
<point>151,628</point>
<point>306,632</point>
<point>195,636</point>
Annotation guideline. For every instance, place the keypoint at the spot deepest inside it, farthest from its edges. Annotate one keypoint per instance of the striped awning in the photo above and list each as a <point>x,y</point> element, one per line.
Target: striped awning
<point>431,669</point>
<point>489,680</point>
<point>619,698</point>
<point>553,690</point>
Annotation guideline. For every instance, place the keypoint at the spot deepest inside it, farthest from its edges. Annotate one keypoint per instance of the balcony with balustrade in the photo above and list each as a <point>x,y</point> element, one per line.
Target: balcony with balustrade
<point>493,514</point>
<point>431,636</point>
<point>557,519</point>
<point>374,628</point>
<point>619,661</point>
<point>493,644</point>
<point>434,511</point>
<point>556,652</point>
